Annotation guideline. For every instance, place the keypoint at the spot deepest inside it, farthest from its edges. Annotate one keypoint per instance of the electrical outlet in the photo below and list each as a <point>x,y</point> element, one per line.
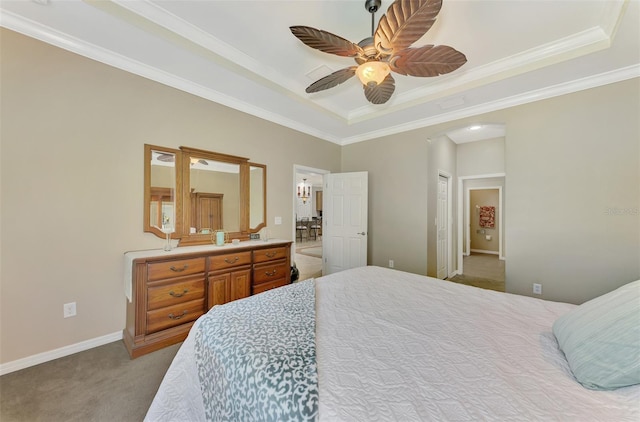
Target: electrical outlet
<point>69,309</point>
<point>391,263</point>
<point>537,288</point>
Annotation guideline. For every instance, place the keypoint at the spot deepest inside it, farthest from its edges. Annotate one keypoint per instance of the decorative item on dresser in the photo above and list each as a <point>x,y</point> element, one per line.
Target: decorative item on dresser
<point>168,291</point>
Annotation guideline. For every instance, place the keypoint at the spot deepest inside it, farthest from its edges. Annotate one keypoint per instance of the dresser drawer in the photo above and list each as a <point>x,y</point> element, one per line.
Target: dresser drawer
<point>269,272</point>
<point>268,286</point>
<point>175,293</point>
<point>175,268</point>
<point>263,255</point>
<point>220,262</point>
<point>172,316</point>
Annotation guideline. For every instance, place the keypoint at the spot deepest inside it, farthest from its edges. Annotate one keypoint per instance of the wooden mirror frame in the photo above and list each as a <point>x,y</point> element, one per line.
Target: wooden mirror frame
<point>188,239</point>
<point>148,190</point>
<point>183,194</point>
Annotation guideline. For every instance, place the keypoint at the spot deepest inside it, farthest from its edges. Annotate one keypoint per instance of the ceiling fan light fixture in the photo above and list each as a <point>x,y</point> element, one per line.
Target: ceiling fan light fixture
<point>387,49</point>
<point>373,73</point>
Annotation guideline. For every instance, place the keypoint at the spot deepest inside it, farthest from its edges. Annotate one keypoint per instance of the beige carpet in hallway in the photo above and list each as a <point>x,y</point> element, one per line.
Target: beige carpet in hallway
<point>484,265</point>
<point>482,270</point>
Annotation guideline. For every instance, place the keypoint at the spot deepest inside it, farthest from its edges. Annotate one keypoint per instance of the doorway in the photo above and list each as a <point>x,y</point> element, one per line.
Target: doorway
<point>481,255</point>
<point>307,220</point>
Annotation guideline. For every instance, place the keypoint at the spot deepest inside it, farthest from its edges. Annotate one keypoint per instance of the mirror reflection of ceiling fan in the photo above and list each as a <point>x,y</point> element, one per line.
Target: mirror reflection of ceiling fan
<point>388,49</point>
<point>170,158</point>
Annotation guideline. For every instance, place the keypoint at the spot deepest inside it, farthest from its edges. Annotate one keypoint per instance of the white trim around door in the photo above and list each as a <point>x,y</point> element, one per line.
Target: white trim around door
<point>463,217</point>
<point>447,227</point>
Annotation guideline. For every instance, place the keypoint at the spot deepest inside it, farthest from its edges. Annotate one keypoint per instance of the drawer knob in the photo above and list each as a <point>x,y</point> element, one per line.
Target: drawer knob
<point>174,317</point>
<point>270,273</point>
<point>174,294</point>
<point>229,261</point>
<point>179,270</point>
<point>271,254</point>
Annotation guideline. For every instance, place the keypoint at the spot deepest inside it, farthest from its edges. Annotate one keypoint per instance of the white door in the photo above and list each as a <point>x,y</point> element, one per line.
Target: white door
<point>442,227</point>
<point>344,231</point>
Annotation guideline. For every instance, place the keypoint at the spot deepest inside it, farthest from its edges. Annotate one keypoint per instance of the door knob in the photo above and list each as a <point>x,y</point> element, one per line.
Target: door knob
<point>362,233</point>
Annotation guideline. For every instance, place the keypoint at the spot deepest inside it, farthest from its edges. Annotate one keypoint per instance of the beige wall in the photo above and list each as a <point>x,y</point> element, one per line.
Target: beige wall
<point>71,174</point>
<point>481,157</point>
<point>398,179</point>
<point>71,166</point>
<point>572,196</point>
<point>569,160</point>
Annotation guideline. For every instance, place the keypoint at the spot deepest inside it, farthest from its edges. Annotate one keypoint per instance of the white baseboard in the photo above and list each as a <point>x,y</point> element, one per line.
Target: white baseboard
<point>33,360</point>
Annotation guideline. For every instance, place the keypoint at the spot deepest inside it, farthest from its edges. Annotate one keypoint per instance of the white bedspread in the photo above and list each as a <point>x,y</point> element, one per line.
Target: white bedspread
<point>394,346</point>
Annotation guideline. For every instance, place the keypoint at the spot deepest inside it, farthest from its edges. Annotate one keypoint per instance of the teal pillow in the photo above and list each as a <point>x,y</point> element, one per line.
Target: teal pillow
<point>601,339</point>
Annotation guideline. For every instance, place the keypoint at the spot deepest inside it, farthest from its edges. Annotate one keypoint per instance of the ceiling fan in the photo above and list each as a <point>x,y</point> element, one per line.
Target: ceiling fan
<point>388,49</point>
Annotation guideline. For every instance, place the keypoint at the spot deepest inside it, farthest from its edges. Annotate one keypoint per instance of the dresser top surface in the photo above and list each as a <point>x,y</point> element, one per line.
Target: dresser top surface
<point>184,250</point>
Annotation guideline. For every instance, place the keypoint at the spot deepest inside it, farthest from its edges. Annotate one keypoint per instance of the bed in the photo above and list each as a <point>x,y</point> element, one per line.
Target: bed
<point>378,344</point>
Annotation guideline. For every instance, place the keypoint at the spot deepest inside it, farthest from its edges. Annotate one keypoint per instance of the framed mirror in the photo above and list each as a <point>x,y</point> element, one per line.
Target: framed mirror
<point>214,194</point>
<point>197,192</point>
<point>161,191</point>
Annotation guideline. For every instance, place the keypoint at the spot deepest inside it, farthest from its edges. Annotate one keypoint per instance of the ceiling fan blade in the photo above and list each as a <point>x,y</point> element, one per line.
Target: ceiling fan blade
<point>167,158</point>
<point>430,60</point>
<point>334,79</point>
<point>380,94</point>
<point>404,23</point>
<point>326,41</point>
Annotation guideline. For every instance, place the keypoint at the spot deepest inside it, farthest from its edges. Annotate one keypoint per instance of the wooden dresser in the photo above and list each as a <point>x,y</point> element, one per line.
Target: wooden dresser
<point>168,291</point>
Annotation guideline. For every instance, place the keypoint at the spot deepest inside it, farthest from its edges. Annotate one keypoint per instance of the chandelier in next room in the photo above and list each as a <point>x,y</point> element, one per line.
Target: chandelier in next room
<point>304,191</point>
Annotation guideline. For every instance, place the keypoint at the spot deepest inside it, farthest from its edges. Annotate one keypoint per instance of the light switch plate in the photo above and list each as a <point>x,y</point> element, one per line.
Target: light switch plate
<point>278,220</point>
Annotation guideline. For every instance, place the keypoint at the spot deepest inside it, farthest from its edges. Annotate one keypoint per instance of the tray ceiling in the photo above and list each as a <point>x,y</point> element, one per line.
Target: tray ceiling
<point>241,54</point>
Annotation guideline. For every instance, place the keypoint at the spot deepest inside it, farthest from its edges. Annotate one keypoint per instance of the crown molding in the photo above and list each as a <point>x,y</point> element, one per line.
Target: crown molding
<point>594,81</point>
<point>75,45</point>
<point>591,39</point>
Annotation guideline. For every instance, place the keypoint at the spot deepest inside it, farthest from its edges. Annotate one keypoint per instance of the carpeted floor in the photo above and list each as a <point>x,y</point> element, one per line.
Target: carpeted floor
<point>484,266</point>
<point>482,270</point>
<point>483,283</point>
<point>100,384</point>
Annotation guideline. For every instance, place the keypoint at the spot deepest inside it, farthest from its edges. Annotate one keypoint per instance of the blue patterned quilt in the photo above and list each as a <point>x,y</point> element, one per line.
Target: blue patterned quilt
<point>256,357</point>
